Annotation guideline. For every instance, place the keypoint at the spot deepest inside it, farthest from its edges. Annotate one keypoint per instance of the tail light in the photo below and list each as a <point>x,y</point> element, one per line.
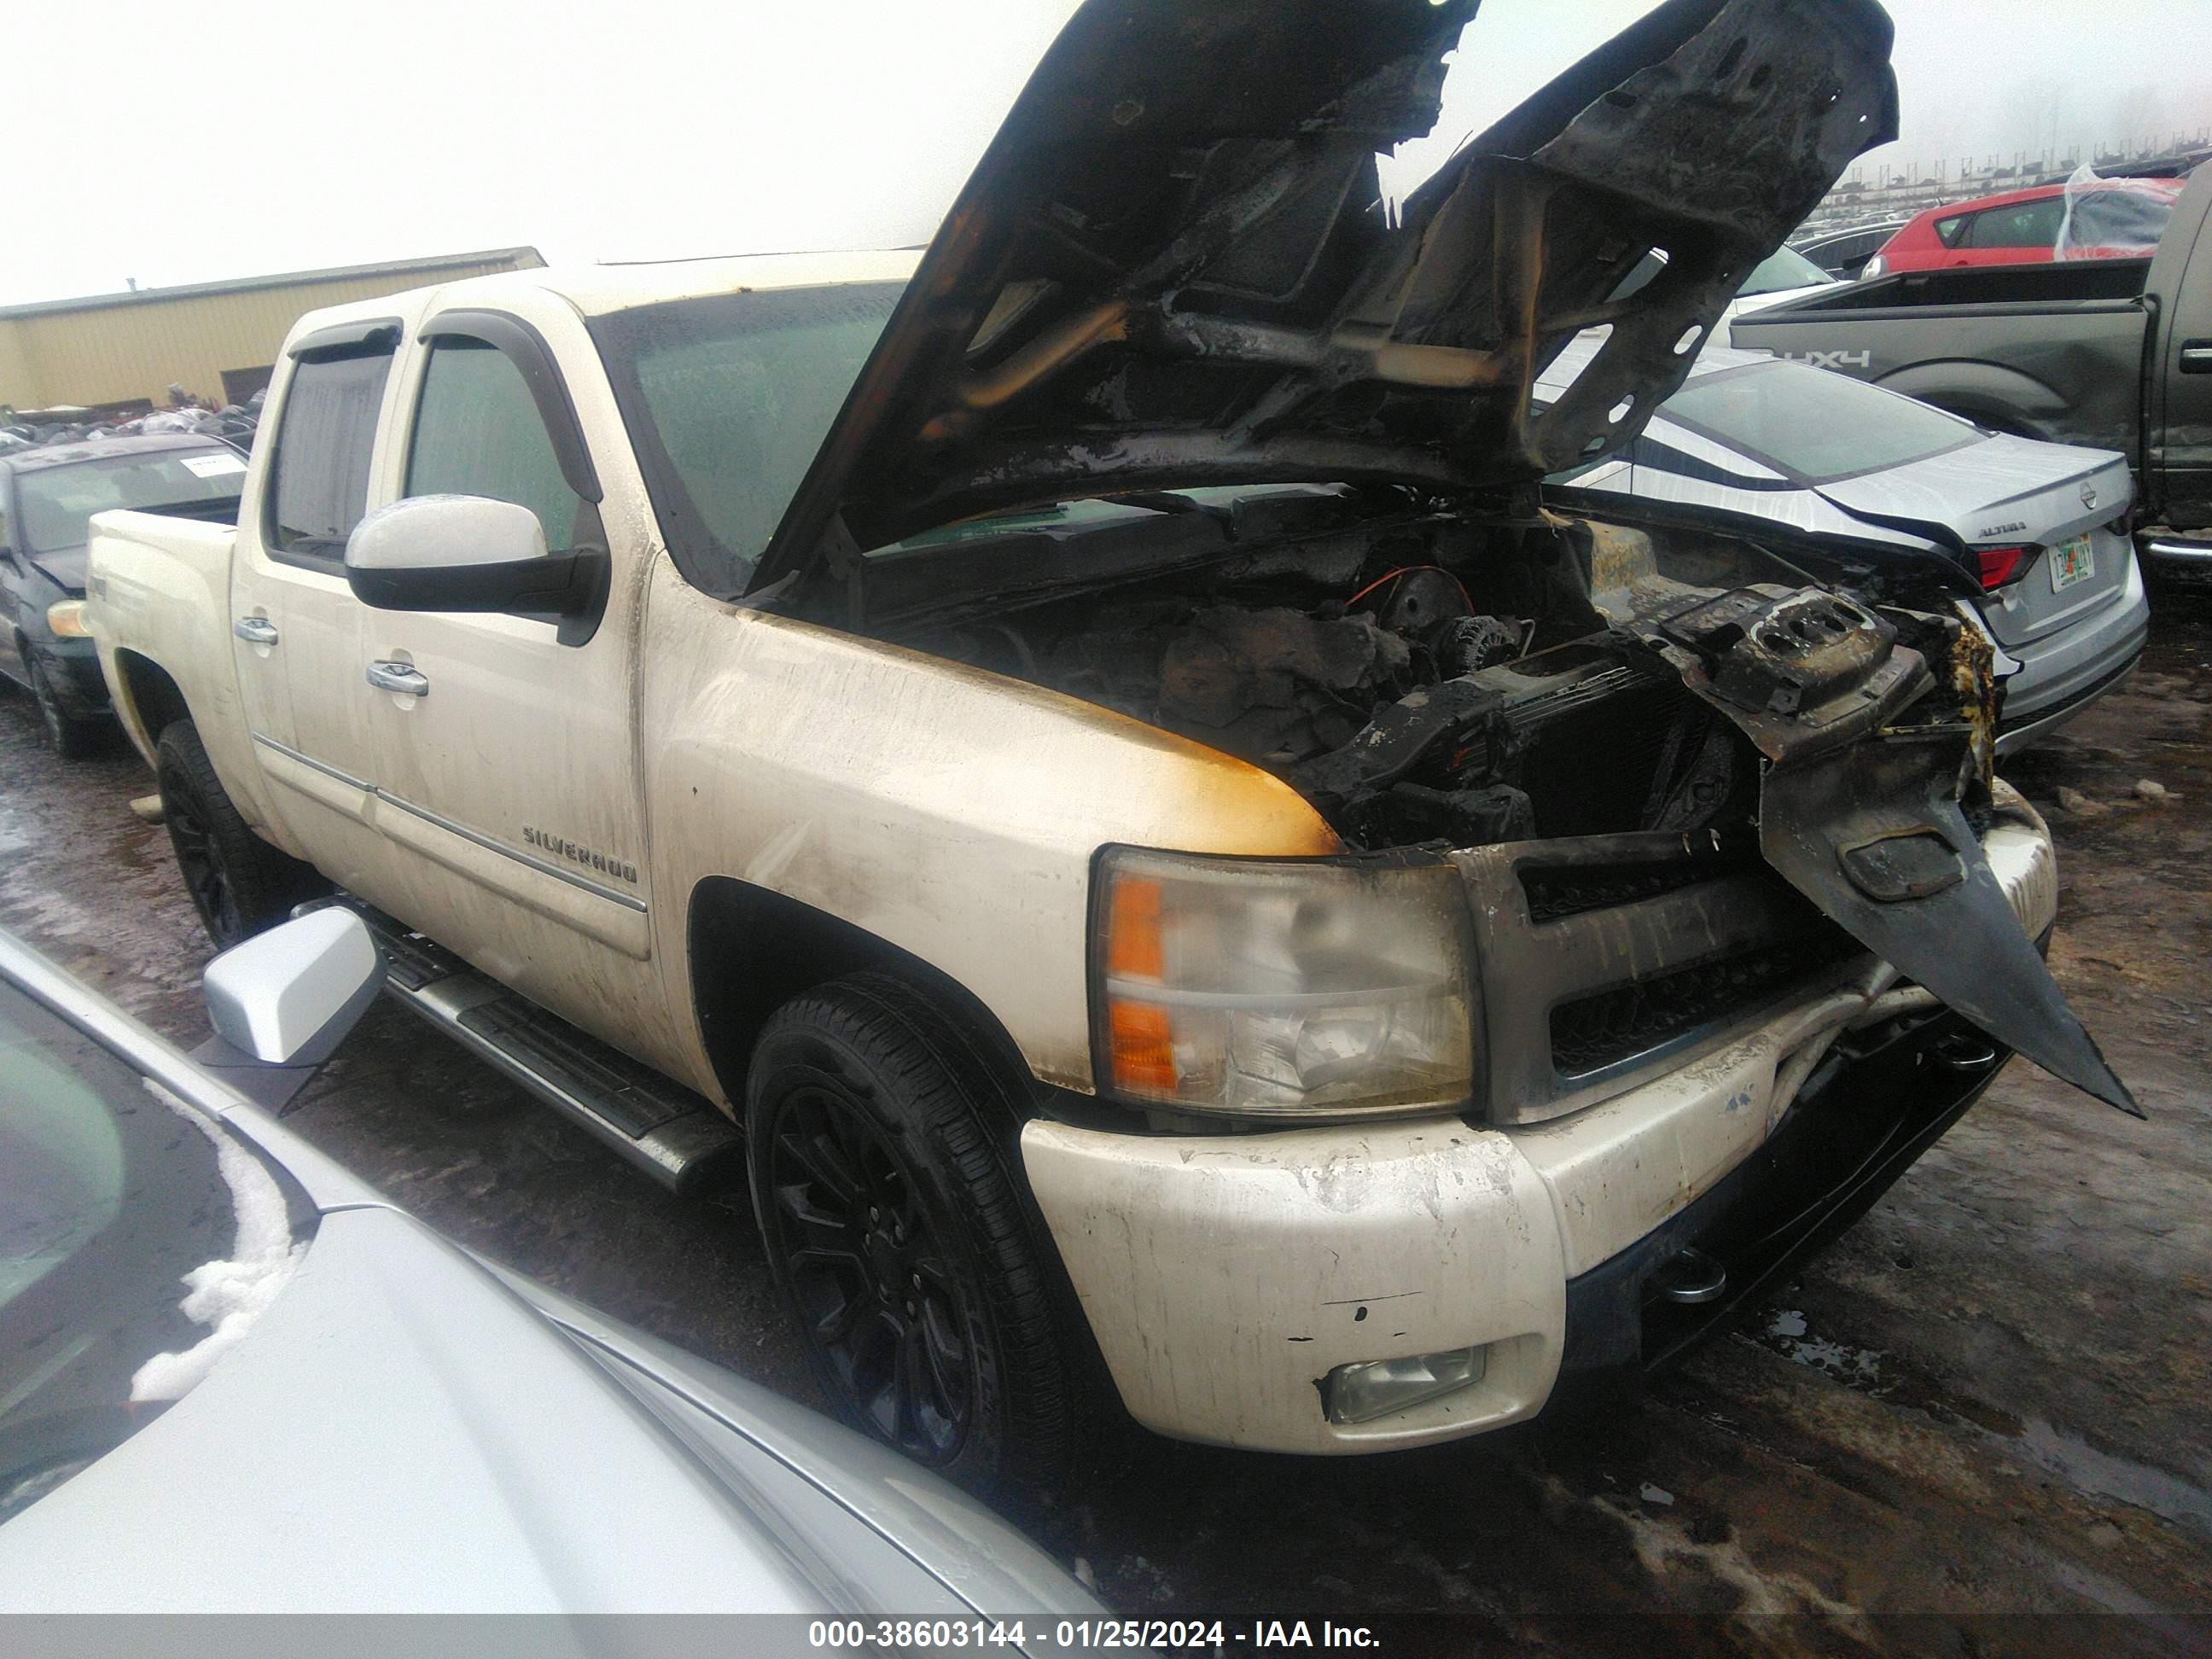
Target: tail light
<point>2000,565</point>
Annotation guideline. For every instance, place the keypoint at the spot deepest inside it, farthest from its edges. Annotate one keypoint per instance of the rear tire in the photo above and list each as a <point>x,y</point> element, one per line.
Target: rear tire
<point>238,883</point>
<point>883,1146</point>
<point>69,737</point>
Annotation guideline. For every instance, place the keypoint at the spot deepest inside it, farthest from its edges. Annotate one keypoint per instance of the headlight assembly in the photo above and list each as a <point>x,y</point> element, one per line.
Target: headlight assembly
<point>1312,989</point>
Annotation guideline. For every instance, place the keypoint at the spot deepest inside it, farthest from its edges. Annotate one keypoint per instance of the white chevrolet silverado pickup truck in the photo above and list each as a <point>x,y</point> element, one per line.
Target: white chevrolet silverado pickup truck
<point>1082,760</point>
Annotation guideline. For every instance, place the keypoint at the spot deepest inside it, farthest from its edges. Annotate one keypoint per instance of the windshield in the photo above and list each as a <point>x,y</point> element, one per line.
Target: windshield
<point>727,399</point>
<point>1813,424</point>
<point>55,503</point>
<point>107,1201</point>
<point>1785,268</point>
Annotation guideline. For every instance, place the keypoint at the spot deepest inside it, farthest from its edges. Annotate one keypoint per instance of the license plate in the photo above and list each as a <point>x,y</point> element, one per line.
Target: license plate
<point>2071,561</point>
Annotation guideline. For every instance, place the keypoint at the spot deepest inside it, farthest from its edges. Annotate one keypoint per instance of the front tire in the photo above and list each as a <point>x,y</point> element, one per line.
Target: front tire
<point>67,735</point>
<point>883,1155</point>
<point>238,883</point>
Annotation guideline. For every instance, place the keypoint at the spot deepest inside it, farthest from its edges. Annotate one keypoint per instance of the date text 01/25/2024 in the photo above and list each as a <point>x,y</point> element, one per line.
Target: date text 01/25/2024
<point>1074,1634</point>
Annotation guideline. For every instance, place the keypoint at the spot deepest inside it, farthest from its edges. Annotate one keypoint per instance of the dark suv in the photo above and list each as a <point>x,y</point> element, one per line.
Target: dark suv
<point>47,496</point>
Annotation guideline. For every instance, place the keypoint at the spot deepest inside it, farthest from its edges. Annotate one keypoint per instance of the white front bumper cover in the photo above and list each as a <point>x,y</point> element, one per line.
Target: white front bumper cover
<point>1224,1277</point>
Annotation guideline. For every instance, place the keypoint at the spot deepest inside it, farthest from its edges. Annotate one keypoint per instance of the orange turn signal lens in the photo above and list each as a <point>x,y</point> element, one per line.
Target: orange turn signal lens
<point>1133,947</point>
<point>1142,1036</point>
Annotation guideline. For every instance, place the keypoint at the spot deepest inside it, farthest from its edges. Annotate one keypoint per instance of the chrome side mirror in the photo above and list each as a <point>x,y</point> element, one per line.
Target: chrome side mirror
<point>285,998</point>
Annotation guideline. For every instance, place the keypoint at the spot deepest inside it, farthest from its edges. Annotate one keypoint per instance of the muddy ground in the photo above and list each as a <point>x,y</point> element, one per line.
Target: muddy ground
<point>1988,1400</point>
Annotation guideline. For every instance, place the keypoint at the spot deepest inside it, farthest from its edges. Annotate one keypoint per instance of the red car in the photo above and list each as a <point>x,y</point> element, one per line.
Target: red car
<point>2113,219</point>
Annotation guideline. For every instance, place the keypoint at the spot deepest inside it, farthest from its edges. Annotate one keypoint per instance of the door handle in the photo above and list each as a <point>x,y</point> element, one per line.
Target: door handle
<point>2197,356</point>
<point>398,677</point>
<point>255,630</point>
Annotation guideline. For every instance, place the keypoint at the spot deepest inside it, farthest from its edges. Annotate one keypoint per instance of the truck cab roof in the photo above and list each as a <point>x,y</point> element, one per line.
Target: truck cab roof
<point>595,290</point>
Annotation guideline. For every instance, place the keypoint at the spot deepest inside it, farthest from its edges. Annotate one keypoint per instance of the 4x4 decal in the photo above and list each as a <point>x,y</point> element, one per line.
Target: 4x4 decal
<point>1830,359</point>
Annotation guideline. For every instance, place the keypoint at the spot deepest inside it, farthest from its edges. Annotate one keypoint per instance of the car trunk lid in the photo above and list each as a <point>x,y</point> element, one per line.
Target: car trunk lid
<point>2010,492</point>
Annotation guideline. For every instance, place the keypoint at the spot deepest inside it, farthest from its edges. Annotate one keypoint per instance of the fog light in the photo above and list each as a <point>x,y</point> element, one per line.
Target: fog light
<point>1360,1393</point>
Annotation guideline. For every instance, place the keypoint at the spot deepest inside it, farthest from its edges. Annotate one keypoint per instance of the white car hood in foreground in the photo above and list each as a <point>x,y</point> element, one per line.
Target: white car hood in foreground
<point>404,1432</point>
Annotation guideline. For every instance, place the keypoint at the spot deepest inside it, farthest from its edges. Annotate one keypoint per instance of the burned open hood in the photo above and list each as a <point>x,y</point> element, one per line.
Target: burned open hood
<point>1172,267</point>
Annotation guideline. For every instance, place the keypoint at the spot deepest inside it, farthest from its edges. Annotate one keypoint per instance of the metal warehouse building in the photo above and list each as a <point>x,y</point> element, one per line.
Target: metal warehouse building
<point>120,353</point>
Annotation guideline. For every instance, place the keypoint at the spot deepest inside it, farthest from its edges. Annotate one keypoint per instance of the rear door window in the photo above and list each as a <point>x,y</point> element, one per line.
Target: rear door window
<point>477,432</point>
<point>326,436</point>
<point>2026,224</point>
<point>1949,231</point>
<point>1849,252</point>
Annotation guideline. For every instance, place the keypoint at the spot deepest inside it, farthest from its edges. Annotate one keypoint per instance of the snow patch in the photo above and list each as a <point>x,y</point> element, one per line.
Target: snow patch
<point>1788,1335</point>
<point>1668,1551</point>
<point>228,1295</point>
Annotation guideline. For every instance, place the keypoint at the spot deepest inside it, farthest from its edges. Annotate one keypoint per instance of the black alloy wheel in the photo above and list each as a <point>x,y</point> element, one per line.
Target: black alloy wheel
<point>238,883</point>
<point>867,1269</point>
<point>883,1143</point>
<point>197,861</point>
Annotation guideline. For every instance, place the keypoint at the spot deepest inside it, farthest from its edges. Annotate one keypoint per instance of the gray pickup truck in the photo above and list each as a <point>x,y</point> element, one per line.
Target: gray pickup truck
<point>2112,353</point>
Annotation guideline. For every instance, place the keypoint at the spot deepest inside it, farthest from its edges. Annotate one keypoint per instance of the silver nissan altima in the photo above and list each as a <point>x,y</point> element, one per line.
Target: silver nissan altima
<point>232,1378</point>
<point>2031,538</point>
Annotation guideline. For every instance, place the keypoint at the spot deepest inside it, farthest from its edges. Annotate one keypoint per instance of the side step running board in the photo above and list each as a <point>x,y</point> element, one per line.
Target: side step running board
<point>676,1136</point>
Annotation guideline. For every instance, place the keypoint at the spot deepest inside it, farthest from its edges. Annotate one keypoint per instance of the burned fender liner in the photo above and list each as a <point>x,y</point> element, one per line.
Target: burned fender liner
<point>1874,835</point>
<point>1859,812</point>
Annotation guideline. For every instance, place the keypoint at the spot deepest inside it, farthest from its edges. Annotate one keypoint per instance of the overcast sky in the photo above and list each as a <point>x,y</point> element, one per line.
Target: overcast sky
<point>184,143</point>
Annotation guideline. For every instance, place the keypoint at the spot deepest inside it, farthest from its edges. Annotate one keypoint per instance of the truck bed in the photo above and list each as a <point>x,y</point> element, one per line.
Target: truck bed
<point>2071,283</point>
<point>2047,351</point>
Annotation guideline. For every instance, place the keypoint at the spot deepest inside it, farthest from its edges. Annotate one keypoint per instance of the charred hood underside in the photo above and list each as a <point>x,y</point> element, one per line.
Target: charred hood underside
<point>1173,266</point>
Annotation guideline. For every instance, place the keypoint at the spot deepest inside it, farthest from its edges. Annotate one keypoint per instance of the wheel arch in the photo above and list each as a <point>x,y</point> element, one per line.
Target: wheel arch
<point>147,700</point>
<point>751,950</point>
<point>1990,395</point>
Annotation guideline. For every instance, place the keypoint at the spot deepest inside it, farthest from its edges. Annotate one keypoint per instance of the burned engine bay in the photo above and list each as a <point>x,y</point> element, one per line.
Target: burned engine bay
<point>1441,681</point>
<point>1652,705</point>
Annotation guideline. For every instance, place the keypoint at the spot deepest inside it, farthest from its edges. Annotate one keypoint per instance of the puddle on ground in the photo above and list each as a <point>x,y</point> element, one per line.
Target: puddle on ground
<point>1784,1331</point>
<point>2162,1493</point>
